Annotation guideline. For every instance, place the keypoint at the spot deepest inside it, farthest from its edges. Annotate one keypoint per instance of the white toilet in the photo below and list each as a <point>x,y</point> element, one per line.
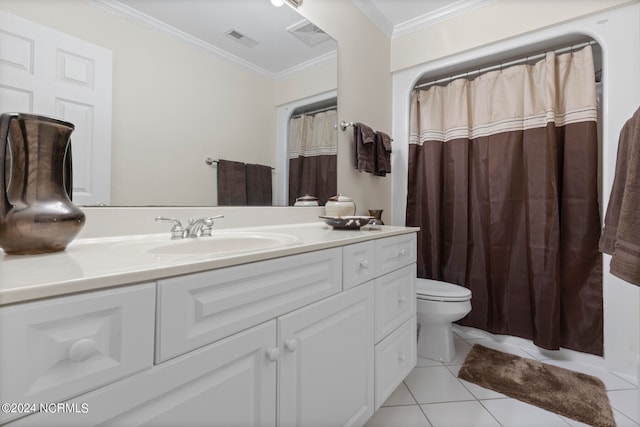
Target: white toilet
<point>439,304</point>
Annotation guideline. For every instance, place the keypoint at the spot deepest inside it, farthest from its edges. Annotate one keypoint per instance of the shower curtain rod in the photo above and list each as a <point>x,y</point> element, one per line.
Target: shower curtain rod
<point>505,65</point>
<point>319,110</point>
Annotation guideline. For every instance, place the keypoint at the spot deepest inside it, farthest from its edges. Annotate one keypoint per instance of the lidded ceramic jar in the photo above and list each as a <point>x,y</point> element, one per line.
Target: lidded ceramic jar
<point>340,206</point>
<point>306,200</point>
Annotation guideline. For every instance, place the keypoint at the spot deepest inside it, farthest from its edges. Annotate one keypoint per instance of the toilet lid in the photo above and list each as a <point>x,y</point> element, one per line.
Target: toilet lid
<point>441,291</point>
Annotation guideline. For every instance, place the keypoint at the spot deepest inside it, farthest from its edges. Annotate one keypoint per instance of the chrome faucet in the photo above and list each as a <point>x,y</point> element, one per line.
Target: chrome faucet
<point>201,227</point>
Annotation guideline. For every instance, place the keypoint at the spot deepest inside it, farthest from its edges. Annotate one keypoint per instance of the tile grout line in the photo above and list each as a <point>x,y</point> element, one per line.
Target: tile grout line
<point>417,404</point>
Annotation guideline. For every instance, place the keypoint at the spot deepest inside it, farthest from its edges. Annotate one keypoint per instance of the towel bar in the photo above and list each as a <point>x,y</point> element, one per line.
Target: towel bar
<point>344,125</point>
<point>209,161</point>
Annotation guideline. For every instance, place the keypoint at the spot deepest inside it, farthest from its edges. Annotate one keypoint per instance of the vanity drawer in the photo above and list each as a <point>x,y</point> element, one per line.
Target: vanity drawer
<point>58,348</point>
<point>198,309</point>
<point>395,299</point>
<point>395,357</point>
<point>395,252</point>
<point>357,264</point>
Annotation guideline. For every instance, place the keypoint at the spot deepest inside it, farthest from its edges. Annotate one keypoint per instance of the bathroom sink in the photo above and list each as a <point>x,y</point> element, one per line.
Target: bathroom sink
<point>223,243</point>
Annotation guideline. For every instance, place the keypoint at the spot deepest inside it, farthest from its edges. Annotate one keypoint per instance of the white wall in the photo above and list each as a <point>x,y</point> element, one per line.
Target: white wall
<point>498,20</point>
<point>303,84</point>
<point>618,33</point>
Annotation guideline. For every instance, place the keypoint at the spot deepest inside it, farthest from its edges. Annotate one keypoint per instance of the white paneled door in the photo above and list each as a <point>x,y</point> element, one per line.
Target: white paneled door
<point>44,71</point>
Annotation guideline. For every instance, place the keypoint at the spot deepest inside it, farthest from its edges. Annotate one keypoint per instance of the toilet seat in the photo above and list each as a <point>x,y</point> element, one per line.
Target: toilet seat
<point>434,290</point>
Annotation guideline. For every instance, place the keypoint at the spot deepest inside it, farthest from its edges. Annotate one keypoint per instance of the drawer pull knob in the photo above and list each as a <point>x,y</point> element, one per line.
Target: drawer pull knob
<point>401,299</point>
<point>273,354</point>
<point>364,263</point>
<point>82,349</point>
<point>291,345</point>
<point>402,252</point>
<point>401,357</point>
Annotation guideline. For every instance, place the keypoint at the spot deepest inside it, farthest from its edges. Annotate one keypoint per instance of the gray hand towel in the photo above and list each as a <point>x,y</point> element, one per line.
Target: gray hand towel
<point>364,145</point>
<point>621,233</point>
<point>259,188</point>
<point>232,183</point>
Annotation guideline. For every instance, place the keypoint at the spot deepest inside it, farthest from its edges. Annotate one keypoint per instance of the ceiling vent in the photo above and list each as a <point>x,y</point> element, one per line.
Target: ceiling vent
<point>240,38</point>
<point>308,33</point>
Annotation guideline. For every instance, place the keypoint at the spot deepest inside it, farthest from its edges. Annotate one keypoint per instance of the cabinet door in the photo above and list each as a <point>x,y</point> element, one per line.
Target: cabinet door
<point>229,383</point>
<point>326,365</point>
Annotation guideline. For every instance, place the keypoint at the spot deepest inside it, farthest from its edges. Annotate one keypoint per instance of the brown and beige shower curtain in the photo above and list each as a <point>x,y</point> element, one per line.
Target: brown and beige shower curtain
<point>503,184</point>
<point>313,148</point>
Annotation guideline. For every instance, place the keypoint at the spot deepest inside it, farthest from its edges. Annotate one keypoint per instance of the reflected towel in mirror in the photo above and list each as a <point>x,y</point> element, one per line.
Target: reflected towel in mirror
<point>259,186</point>
<point>383,154</point>
<point>232,183</point>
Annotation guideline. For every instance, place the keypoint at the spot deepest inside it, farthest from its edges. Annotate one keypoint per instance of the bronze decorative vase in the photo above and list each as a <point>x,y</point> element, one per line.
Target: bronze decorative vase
<point>36,212</point>
<point>377,214</point>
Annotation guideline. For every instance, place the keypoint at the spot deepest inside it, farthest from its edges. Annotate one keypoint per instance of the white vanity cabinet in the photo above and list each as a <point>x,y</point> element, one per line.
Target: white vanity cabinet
<point>324,355</point>
<point>314,339</point>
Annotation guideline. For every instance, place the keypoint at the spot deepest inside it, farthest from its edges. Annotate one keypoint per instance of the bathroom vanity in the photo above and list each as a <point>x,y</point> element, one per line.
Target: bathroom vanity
<point>140,330</point>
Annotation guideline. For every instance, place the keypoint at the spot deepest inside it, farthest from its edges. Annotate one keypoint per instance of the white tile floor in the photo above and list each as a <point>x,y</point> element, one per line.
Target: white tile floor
<point>432,394</point>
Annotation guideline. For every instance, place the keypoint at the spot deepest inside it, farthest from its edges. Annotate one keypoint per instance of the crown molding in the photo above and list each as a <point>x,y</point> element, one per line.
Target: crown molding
<point>420,22</point>
<point>327,57</point>
<point>134,15</point>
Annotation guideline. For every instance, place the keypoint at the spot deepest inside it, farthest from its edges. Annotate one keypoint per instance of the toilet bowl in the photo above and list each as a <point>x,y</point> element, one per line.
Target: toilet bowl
<point>439,304</point>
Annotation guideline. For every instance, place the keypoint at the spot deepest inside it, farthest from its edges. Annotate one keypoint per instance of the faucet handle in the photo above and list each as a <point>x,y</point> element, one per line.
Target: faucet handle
<point>207,225</point>
<point>177,231</point>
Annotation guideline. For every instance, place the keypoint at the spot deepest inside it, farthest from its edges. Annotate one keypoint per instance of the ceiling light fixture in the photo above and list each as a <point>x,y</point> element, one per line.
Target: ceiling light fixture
<point>292,3</point>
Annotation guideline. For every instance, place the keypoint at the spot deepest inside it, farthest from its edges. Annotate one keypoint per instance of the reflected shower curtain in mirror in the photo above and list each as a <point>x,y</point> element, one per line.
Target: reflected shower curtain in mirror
<point>503,183</point>
<point>313,148</point>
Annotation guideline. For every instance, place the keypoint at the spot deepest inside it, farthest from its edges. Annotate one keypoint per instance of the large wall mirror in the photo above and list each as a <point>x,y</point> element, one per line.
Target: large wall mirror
<point>196,80</point>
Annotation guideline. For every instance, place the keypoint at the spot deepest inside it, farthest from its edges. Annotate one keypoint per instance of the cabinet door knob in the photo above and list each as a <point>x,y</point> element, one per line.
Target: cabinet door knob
<point>363,263</point>
<point>401,299</point>
<point>291,345</point>
<point>401,357</point>
<point>402,252</point>
<point>82,349</point>
<point>273,354</point>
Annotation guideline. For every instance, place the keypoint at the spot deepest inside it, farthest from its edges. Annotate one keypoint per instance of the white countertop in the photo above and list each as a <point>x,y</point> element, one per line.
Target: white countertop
<point>99,263</point>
